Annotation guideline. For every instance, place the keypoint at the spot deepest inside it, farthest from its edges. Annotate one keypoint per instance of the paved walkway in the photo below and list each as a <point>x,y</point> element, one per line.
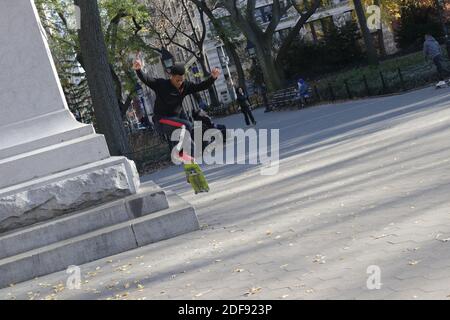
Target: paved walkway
<point>361,183</point>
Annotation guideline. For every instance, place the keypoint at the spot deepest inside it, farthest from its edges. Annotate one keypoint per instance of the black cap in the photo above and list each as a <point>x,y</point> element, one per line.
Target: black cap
<point>178,70</point>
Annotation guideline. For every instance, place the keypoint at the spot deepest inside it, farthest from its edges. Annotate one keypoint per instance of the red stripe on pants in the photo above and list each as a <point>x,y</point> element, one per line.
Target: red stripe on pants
<point>171,123</point>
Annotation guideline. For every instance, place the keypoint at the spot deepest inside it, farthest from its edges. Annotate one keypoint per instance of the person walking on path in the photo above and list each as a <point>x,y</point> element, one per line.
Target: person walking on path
<point>244,103</point>
<point>432,50</point>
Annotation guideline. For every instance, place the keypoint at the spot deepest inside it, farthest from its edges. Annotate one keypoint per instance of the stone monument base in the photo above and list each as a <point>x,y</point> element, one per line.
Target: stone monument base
<point>58,194</point>
<point>149,216</point>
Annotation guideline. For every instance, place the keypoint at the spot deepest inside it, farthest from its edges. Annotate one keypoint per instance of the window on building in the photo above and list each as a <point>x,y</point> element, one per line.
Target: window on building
<point>263,14</point>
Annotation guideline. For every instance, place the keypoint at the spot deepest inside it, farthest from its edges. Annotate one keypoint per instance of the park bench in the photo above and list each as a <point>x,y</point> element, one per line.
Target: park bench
<point>217,111</point>
<point>285,98</point>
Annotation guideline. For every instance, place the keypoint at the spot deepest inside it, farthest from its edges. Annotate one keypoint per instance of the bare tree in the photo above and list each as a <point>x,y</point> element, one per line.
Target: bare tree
<point>227,40</point>
<point>263,38</point>
<point>182,28</point>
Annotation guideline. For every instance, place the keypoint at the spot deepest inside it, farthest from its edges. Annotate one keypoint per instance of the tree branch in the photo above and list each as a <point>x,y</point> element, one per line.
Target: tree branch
<point>296,29</point>
<point>276,17</point>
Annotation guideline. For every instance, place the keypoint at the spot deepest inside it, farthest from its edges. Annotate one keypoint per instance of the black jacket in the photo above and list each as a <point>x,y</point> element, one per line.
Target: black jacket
<point>243,100</point>
<point>168,99</point>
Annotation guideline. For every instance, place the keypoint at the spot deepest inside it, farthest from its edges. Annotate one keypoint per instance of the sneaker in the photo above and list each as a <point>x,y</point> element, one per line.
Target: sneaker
<point>441,84</point>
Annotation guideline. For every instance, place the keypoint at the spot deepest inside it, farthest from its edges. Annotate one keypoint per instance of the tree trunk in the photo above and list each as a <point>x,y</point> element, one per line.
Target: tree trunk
<point>381,33</point>
<point>101,85</point>
<point>273,74</point>
<point>368,40</point>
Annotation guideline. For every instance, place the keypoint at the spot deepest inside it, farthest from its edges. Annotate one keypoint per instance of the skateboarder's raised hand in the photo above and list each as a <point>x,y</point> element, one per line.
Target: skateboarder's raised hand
<point>215,73</point>
<point>137,64</point>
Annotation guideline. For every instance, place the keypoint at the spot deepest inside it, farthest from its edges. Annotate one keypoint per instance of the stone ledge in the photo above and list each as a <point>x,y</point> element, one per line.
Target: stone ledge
<point>66,192</point>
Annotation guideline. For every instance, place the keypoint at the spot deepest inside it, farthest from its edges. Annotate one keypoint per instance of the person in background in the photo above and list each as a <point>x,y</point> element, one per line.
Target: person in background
<point>303,91</point>
<point>432,50</point>
<point>244,103</point>
<point>265,98</point>
<point>200,102</point>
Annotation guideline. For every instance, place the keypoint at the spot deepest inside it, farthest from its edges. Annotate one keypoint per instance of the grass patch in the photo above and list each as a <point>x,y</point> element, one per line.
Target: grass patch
<point>391,76</point>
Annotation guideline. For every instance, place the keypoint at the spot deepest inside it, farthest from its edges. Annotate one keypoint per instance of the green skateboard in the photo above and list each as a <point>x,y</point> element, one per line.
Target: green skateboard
<point>196,178</point>
<point>194,175</point>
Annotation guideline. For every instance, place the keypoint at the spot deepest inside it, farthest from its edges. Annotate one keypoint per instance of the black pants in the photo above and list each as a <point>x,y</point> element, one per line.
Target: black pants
<point>248,115</point>
<point>442,71</point>
<point>168,125</point>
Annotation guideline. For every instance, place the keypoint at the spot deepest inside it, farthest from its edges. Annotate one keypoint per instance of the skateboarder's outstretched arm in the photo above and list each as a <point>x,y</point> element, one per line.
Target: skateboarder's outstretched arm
<point>202,86</point>
<point>149,81</point>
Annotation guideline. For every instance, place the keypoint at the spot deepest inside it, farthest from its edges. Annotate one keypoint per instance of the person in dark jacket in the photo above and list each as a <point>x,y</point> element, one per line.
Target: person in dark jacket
<point>168,109</point>
<point>244,103</point>
<point>432,50</point>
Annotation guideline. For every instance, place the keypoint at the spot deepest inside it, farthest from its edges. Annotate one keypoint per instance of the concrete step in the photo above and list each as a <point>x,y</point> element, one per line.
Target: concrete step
<point>53,159</point>
<point>150,198</point>
<point>26,136</point>
<point>179,219</point>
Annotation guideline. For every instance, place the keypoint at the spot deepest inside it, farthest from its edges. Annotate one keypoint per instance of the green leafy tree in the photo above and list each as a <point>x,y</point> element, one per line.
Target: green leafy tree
<point>415,20</point>
<point>262,36</point>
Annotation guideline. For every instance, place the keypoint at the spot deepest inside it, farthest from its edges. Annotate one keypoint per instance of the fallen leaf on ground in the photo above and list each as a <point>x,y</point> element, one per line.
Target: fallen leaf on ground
<point>253,291</point>
<point>320,259</point>
<point>381,236</point>
<point>202,293</point>
<point>59,287</point>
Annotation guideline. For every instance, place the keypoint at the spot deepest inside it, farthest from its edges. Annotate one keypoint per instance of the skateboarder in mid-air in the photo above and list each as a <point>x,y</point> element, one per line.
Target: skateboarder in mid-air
<point>168,109</point>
